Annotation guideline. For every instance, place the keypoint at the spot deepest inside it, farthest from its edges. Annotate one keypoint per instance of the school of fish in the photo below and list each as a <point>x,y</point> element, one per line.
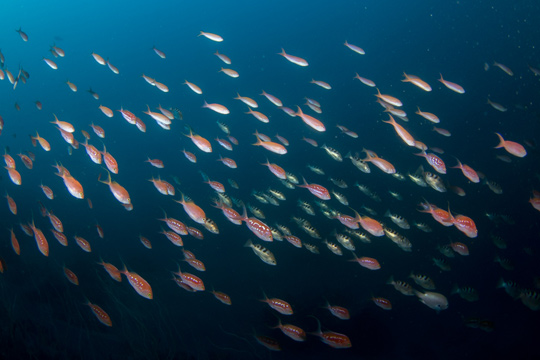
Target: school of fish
<point>322,196</point>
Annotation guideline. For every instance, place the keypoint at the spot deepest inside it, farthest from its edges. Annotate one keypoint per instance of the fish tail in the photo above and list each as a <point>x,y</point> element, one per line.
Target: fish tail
<point>501,143</point>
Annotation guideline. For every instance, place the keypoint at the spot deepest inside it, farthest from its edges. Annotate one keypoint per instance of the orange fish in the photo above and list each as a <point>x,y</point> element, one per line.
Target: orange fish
<point>400,130</point>
<point>99,230</point>
<point>62,239</point>
<point>460,248</point>
<point>382,164</point>
<point>190,156</point>
<point>452,86</point>
<point>83,243</point>
<point>74,187</point>
<point>42,142</point>
<point>464,224</point>
<point>333,339</point>
<point>112,270</point>
<point>268,342</point>
<point>382,303</point>
<point>95,154</point>
<point>229,212</point>
<point>256,226</point>
<point>372,226</point>
<point>213,37</point>
<point>440,215</point>
<point>70,275</point>
<point>271,146</point>
<point>281,306</point>
<point>389,99</point>
<point>294,332</point>
<point>41,241</point>
<point>193,87</point>
<point>105,110</point>
<point>55,221</point>
<point>220,109</point>
<point>417,81</point>
<point>248,101</point>
<point>191,280</point>
<point>318,190</point>
<point>512,147</point>
<point>128,116</point>
<point>14,242</point>
<point>155,162</point>
<point>535,200</point>
<point>110,161</point>
<point>202,143</point>
<point>436,162</point>
<point>196,264</point>
<point>10,162</point>
<point>276,170</point>
<point>224,298</point>
<point>355,48</point>
<point>467,171</point>
<point>146,243</point>
<point>294,59</point>
<point>160,185</point>
<point>159,53</point>
<point>99,59</point>
<point>310,121</point>
<point>223,58</point>
<point>258,115</point>
<point>100,314</point>
<point>141,286</point>
<point>367,262</point>
<point>338,311</point>
<point>11,204</point>
<point>194,211</point>
<point>230,72</point>
<point>173,237</point>
<point>228,162</point>
<point>72,86</point>
<point>119,192</point>
<point>274,100</point>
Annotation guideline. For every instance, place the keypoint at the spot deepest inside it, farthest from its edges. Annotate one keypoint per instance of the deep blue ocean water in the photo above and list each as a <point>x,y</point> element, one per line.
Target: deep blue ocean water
<point>44,316</point>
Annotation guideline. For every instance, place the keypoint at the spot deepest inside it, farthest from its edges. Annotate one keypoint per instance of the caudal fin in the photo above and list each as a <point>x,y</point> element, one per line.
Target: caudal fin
<point>501,143</point>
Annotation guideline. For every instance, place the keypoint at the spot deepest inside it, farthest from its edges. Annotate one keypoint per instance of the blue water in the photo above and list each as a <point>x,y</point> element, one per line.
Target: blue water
<point>44,316</point>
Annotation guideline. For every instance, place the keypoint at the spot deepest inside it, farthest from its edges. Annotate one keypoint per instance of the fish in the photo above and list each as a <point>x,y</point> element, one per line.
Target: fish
<point>466,293</point>
<point>452,86</point>
<point>333,153</point>
<point>511,147</point>
<point>415,80</point>
<point>504,68</point>
<point>355,48</point>
<point>213,37</point>
<point>398,220</point>
<point>100,314</point>
<point>294,59</point>
<point>263,253</point>
<point>333,339</point>
<point>423,281</point>
<point>433,300</point>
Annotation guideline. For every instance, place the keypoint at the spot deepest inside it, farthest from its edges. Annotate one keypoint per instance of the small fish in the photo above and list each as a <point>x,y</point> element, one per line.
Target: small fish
<point>316,169</point>
<point>401,286</point>
<point>433,300</point>
<point>466,293</point>
<point>442,264</point>
<point>511,288</point>
<point>333,153</point>
<point>398,220</point>
<point>423,281</point>
<point>263,253</point>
